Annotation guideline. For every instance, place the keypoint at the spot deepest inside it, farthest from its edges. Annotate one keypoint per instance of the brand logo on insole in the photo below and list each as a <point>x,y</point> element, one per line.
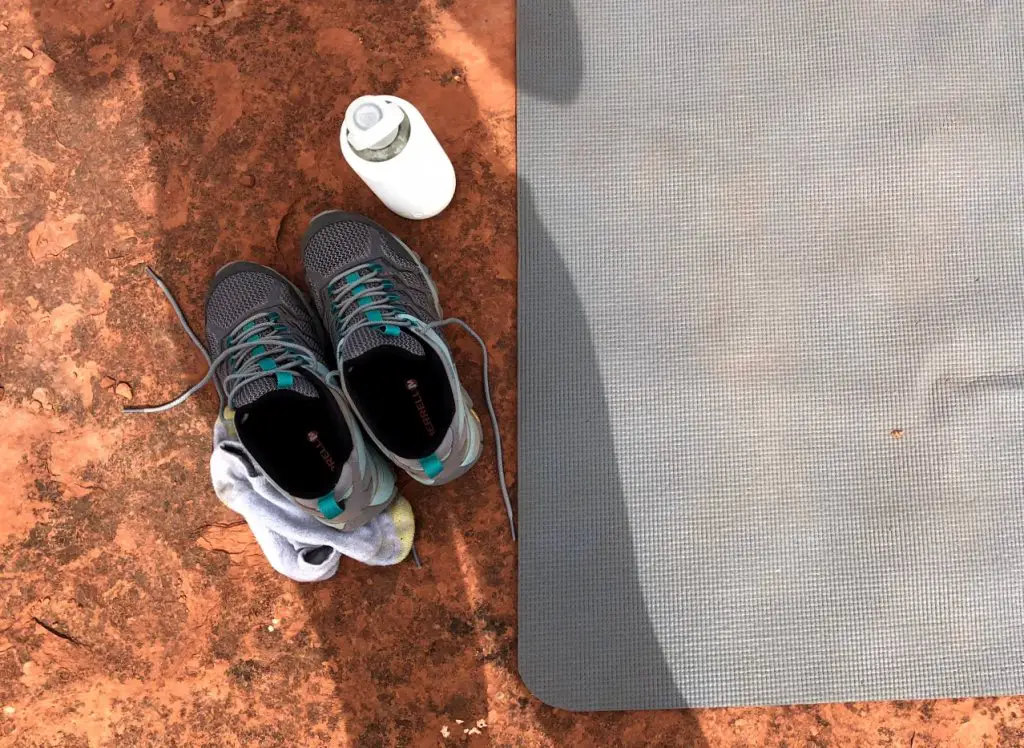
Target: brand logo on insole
<point>414,389</point>
<point>314,439</point>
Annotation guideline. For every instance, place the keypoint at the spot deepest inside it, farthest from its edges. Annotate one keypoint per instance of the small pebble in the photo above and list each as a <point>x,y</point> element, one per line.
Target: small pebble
<point>109,4</point>
<point>473,731</point>
<point>124,390</point>
<point>270,629</point>
<point>171,76</point>
<point>3,27</point>
<point>107,382</point>
<point>26,53</point>
<point>459,721</point>
<point>481,724</point>
<point>41,396</point>
<point>276,621</point>
<point>9,710</point>
<point>247,180</point>
<point>445,732</point>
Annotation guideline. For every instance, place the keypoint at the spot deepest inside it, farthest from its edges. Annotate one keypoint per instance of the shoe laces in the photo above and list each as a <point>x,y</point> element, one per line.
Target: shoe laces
<point>284,355</point>
<point>267,349</point>
<point>362,297</point>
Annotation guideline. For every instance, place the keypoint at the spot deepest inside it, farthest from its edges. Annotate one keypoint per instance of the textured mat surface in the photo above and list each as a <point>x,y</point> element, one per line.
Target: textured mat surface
<point>771,351</point>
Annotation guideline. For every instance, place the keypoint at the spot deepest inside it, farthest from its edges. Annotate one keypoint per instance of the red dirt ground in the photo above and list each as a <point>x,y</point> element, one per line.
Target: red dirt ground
<point>129,133</point>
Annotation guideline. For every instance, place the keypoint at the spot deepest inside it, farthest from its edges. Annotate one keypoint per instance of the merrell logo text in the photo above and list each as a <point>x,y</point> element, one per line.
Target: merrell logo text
<point>314,439</point>
<point>414,389</point>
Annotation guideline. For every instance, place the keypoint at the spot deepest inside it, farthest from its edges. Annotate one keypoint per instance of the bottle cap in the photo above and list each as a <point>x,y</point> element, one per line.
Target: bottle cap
<point>372,122</point>
<point>367,115</point>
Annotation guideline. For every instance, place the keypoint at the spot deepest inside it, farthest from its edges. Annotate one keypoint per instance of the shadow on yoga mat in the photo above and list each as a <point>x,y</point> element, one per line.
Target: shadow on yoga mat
<point>593,603</point>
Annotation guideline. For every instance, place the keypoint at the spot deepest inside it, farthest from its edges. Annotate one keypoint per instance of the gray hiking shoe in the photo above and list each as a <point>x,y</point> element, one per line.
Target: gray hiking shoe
<point>268,347</point>
<point>381,311</point>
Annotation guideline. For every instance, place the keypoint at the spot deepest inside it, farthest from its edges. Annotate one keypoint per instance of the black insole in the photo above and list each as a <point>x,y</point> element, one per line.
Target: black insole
<point>405,399</point>
<point>300,442</point>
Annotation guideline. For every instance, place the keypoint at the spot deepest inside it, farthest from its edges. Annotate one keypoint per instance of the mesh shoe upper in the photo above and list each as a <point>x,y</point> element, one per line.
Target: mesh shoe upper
<point>240,292</point>
<point>333,249</point>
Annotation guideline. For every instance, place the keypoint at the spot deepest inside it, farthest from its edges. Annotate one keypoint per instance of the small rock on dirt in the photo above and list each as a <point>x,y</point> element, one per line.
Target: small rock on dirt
<point>109,4</point>
<point>44,63</point>
<point>171,76</point>
<point>124,390</point>
<point>247,180</point>
<point>107,382</point>
<point>41,396</point>
<point>454,75</point>
<point>211,11</point>
<point>25,53</point>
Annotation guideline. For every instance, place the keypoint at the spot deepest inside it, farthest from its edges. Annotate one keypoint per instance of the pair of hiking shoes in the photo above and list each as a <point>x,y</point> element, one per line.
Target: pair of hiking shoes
<point>327,397</point>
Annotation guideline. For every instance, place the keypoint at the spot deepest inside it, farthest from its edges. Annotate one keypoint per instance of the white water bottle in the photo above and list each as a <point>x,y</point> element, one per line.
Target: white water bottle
<point>390,146</point>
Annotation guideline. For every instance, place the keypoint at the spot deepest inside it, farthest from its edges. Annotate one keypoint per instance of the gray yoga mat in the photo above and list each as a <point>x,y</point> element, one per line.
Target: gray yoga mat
<point>771,351</point>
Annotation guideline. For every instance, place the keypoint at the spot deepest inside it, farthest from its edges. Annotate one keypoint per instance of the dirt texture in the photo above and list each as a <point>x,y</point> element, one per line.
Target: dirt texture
<point>135,610</point>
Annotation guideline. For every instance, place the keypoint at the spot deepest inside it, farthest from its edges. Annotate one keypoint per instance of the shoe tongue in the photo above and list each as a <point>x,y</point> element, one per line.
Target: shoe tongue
<point>253,391</point>
<point>366,339</point>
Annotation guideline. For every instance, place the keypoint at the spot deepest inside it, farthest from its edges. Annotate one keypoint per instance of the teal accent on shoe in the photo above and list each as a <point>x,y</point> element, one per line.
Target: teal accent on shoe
<point>285,380</point>
<point>328,506</point>
<point>267,364</point>
<point>432,466</point>
<point>245,328</point>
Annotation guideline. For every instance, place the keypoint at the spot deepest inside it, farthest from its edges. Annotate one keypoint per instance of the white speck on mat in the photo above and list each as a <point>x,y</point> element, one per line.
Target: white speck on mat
<point>459,721</point>
<point>445,732</point>
<point>270,629</point>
